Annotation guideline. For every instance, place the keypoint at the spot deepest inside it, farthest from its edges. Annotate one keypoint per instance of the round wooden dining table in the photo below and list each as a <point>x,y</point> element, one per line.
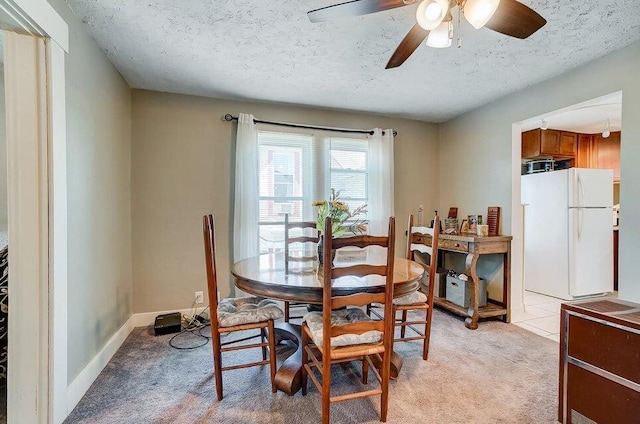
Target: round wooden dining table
<point>299,279</point>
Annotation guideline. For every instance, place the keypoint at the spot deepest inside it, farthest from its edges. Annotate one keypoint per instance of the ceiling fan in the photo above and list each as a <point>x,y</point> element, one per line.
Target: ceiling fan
<point>434,20</point>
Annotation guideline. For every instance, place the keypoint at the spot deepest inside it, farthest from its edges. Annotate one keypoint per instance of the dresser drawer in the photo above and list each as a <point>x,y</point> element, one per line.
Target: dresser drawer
<point>604,346</point>
<point>592,398</point>
<point>461,246</point>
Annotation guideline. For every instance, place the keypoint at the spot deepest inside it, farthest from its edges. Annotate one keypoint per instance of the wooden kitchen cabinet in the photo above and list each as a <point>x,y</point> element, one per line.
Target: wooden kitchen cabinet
<point>554,143</point>
<point>549,142</point>
<point>594,151</point>
<point>531,144</point>
<point>585,156</point>
<point>568,144</point>
<point>608,153</point>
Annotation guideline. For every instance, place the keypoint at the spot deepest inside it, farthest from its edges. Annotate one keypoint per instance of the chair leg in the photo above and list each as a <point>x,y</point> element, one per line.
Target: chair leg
<point>286,311</point>
<point>326,388</point>
<point>404,326</point>
<point>263,338</point>
<point>217,364</point>
<point>384,396</point>
<point>391,347</point>
<point>365,370</point>
<point>427,334</point>
<point>272,355</point>
<point>305,360</point>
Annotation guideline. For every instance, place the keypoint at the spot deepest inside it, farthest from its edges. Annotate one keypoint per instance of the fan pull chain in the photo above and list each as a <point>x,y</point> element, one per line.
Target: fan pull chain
<point>459,42</point>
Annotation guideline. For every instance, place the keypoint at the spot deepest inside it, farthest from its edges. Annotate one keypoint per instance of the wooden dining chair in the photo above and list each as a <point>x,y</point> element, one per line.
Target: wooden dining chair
<point>303,239</point>
<point>232,315</point>
<point>425,241</point>
<point>344,335</point>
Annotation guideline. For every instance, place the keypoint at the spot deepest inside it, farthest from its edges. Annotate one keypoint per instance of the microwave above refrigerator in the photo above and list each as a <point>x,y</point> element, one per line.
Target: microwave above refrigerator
<point>540,165</point>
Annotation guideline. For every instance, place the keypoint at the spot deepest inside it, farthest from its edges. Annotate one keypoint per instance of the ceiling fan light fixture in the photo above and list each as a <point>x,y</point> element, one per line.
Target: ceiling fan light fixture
<point>441,36</point>
<point>478,12</point>
<point>431,13</point>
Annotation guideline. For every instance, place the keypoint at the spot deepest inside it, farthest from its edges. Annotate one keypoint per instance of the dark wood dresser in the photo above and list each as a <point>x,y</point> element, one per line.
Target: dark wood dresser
<point>599,362</point>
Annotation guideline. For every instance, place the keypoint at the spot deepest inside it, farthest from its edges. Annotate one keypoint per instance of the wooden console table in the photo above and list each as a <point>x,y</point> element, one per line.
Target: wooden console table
<point>474,246</point>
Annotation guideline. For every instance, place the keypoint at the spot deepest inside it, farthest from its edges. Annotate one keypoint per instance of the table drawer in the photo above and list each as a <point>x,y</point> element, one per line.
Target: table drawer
<point>461,246</point>
<point>421,239</point>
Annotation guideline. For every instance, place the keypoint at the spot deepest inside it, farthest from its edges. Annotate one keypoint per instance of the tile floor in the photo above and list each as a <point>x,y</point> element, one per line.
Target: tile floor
<point>541,315</point>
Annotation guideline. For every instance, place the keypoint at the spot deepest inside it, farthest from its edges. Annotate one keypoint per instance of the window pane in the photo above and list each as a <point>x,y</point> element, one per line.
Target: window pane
<point>343,159</point>
<point>280,171</point>
<point>351,185</point>
<point>271,238</point>
<point>273,210</point>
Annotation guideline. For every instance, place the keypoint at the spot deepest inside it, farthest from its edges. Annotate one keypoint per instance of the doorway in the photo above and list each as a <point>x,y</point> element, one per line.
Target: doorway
<point>591,132</point>
<point>4,250</point>
<point>35,40</point>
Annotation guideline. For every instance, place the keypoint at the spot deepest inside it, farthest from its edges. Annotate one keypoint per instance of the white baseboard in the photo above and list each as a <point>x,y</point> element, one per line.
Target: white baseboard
<point>88,375</point>
<point>85,379</point>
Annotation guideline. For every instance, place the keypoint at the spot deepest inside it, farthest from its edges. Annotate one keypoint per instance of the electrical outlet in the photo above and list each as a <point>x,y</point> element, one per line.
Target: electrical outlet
<point>199,297</point>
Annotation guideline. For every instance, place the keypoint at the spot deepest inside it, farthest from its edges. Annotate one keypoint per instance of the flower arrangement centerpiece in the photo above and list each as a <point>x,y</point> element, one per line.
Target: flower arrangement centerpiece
<point>342,218</point>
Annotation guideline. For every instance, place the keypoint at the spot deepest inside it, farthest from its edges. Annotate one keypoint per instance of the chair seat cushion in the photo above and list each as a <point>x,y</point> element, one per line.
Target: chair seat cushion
<point>414,298</point>
<point>246,310</point>
<point>341,317</point>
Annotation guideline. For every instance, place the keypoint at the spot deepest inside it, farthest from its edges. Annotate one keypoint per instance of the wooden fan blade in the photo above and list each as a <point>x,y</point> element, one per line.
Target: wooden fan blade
<point>515,19</point>
<point>354,8</point>
<point>407,46</point>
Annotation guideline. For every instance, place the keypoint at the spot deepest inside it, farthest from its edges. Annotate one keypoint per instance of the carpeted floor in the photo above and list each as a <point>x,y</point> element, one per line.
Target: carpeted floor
<point>499,373</point>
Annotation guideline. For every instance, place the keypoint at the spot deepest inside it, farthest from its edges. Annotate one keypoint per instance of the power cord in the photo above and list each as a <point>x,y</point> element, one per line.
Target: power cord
<point>192,326</point>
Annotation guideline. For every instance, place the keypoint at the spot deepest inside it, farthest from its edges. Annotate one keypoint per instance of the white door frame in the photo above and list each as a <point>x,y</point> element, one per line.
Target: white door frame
<point>518,282</point>
<point>36,151</point>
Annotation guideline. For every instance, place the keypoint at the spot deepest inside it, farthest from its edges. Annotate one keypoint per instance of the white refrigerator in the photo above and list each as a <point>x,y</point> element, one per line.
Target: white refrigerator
<point>568,236</point>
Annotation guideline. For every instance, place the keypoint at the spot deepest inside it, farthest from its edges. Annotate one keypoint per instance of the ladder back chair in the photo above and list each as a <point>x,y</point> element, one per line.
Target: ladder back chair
<point>302,239</point>
<point>343,335</point>
<point>425,241</point>
<point>233,315</point>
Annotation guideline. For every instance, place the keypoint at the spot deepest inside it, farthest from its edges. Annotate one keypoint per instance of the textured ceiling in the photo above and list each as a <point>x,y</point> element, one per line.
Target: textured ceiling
<point>269,51</point>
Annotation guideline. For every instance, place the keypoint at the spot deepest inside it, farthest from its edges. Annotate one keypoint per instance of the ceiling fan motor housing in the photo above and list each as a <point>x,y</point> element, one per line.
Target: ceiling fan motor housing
<point>508,17</point>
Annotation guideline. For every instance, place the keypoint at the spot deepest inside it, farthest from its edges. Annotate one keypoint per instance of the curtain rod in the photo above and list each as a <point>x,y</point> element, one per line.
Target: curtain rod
<point>228,117</point>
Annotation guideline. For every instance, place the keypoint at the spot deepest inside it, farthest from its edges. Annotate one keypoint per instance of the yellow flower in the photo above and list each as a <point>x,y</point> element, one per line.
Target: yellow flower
<point>342,219</point>
<point>361,227</point>
<point>339,205</point>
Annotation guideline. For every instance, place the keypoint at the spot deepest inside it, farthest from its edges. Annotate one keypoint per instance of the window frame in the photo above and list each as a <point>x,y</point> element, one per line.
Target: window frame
<point>316,147</point>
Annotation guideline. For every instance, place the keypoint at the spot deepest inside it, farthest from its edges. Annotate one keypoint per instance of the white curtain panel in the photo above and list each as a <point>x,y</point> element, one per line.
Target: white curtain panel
<point>245,215</point>
<point>380,180</point>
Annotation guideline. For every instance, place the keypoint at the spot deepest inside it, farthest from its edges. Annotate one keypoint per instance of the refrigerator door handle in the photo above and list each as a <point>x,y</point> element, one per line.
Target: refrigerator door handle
<point>579,223</point>
<point>580,192</point>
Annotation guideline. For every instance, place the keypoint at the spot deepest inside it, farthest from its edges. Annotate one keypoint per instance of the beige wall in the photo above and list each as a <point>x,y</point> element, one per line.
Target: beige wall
<point>182,162</point>
<point>476,149</point>
<point>99,206</point>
